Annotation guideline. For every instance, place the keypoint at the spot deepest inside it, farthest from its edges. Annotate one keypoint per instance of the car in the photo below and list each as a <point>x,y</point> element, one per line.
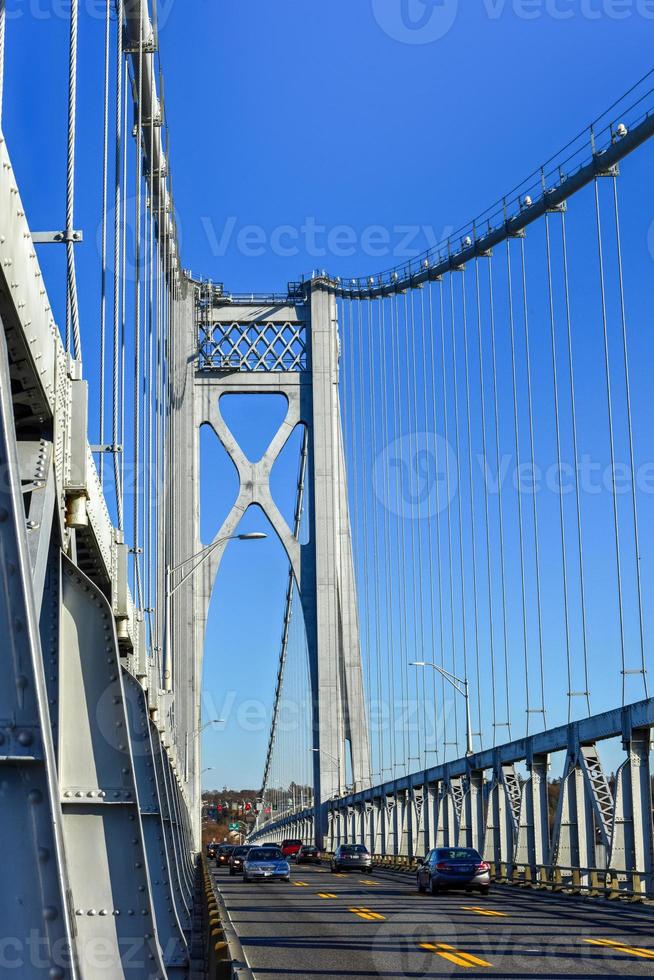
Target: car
<point>290,847</point>
<point>236,859</point>
<point>265,864</point>
<point>453,867</point>
<point>308,854</point>
<point>351,856</point>
<point>211,849</point>
<point>223,854</point>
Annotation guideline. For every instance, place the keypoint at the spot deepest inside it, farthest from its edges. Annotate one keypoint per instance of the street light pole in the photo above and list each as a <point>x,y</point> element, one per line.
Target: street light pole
<point>462,688</point>
<point>199,558</point>
<point>196,734</point>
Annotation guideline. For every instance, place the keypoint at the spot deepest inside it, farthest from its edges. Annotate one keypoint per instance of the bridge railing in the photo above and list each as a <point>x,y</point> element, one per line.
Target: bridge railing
<point>579,833</point>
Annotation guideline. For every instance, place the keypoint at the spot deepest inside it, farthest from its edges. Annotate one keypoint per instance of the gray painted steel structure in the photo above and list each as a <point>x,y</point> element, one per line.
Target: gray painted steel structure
<point>481,801</point>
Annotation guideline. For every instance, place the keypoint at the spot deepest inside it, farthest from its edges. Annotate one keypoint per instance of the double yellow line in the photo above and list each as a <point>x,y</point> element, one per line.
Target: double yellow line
<point>456,956</point>
<point>368,914</point>
<point>646,954</point>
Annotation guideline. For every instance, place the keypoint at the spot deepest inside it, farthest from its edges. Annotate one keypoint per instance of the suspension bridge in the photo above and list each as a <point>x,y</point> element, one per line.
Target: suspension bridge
<point>466,631</point>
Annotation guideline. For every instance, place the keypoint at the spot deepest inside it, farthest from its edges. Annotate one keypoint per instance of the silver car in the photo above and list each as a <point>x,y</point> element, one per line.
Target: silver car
<point>351,857</point>
<point>265,864</point>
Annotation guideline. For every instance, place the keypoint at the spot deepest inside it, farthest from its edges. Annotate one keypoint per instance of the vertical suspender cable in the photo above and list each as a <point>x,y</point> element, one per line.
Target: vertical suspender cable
<point>516,426</point>
<point>630,430</point>
<point>137,318</point>
<point>448,485</point>
<point>532,450</point>
<point>575,449</point>
<point>489,572</point>
<point>115,431</point>
<point>557,425</point>
<point>390,619</point>
<point>373,502</point>
<point>3,19</point>
<point>396,376</point>
<point>103,272</point>
<point>500,506</point>
<point>364,508</point>
<point>439,560</point>
<point>609,403</point>
<point>457,451</point>
<point>431,458</point>
<point>472,503</point>
<point>416,538</point>
<point>72,311</point>
<point>123,276</point>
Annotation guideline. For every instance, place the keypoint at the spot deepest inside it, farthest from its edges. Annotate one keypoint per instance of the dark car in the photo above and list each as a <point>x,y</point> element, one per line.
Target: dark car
<point>454,867</point>
<point>223,854</point>
<point>236,859</point>
<point>308,854</point>
<point>211,849</point>
<point>351,856</point>
<point>290,847</point>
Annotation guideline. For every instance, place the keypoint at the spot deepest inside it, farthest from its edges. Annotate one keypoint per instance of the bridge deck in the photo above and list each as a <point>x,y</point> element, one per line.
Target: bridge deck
<point>310,929</point>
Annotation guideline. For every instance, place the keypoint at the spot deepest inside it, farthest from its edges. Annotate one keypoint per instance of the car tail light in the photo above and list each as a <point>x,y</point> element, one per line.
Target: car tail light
<point>442,866</point>
<point>484,866</point>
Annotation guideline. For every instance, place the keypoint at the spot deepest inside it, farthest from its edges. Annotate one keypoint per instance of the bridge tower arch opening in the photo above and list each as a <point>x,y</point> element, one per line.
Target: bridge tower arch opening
<point>289,346</point>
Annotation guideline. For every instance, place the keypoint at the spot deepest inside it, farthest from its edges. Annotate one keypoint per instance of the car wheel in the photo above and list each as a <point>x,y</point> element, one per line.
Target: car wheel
<point>433,887</point>
<point>484,890</point>
<point>421,887</point>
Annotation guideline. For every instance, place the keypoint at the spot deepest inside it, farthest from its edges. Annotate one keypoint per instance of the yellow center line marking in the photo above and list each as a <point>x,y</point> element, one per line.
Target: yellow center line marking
<point>301,884</point>
<point>456,956</point>
<point>365,881</point>
<point>338,874</point>
<point>646,954</point>
<point>368,914</point>
<point>482,911</point>
<point>327,895</point>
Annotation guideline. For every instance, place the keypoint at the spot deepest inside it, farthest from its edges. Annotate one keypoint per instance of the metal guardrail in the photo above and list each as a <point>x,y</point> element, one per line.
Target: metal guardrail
<point>224,955</point>
<point>609,883</point>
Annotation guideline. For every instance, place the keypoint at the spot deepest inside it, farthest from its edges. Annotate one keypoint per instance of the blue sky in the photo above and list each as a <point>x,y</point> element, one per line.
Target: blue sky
<point>301,133</point>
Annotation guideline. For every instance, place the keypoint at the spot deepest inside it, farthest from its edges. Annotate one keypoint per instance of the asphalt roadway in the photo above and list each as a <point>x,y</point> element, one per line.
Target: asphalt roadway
<point>358,925</point>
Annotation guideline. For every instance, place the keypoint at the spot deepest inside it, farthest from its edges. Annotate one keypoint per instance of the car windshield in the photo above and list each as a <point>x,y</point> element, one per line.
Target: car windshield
<point>263,854</point>
<point>226,849</point>
<point>241,851</point>
<point>353,849</point>
<point>458,854</point>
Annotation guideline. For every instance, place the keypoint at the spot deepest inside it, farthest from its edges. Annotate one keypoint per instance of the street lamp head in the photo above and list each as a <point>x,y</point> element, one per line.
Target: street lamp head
<point>252,536</point>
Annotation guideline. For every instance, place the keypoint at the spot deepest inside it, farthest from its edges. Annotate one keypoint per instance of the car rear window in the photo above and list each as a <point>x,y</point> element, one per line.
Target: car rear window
<point>458,854</point>
<point>263,854</point>
<point>291,843</point>
<point>353,849</point>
